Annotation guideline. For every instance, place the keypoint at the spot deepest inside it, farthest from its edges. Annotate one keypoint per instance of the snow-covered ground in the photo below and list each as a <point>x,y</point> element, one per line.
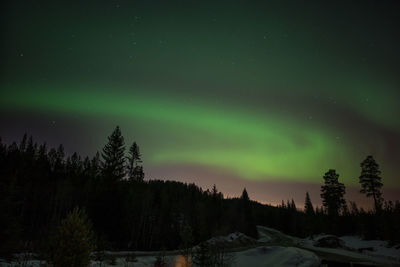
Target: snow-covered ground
<point>256,257</point>
<point>355,247</point>
<point>263,236</point>
<point>273,235</point>
<point>273,248</point>
<point>380,248</point>
<point>233,240</point>
<point>276,256</point>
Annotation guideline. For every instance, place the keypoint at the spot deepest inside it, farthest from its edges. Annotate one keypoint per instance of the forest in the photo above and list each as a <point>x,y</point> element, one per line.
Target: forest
<point>39,186</point>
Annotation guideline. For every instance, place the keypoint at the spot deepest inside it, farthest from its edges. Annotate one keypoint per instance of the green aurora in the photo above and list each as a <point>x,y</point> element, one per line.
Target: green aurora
<point>251,145</point>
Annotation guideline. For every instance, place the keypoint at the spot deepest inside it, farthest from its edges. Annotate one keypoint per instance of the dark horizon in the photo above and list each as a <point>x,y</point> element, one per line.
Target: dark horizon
<point>236,185</point>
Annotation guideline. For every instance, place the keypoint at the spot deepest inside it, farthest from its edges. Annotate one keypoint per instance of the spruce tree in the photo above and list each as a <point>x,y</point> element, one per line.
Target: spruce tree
<point>73,242</point>
<point>245,195</point>
<point>309,223</point>
<point>203,255</point>
<point>332,193</point>
<point>22,145</point>
<point>214,191</point>
<point>112,165</point>
<point>3,150</point>
<point>308,207</point>
<point>186,241</point>
<point>247,221</point>
<point>283,206</point>
<point>95,165</point>
<point>135,170</point>
<point>370,181</point>
<point>293,205</point>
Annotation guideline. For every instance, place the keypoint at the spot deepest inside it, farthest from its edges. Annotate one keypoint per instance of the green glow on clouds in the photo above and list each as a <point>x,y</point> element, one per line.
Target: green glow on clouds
<point>251,145</point>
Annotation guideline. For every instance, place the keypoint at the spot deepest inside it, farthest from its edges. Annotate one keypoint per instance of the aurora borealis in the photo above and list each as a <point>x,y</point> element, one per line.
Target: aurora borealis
<point>267,96</point>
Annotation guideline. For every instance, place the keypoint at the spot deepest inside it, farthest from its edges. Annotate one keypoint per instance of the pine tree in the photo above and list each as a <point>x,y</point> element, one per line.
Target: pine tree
<point>245,195</point>
<point>186,241</point>
<point>95,165</point>
<point>22,145</point>
<point>112,165</point>
<point>214,191</point>
<point>247,221</point>
<point>370,181</point>
<point>293,205</point>
<point>308,207</point>
<point>31,148</point>
<point>73,242</point>
<point>3,150</point>
<point>135,170</point>
<point>333,193</point>
<point>203,255</point>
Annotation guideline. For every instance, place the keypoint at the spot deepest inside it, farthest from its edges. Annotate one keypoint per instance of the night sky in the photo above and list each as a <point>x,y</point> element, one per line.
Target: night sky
<point>267,96</point>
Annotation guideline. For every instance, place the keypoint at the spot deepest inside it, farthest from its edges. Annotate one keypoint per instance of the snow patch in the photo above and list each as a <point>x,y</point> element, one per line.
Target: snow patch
<point>379,247</point>
<point>232,240</point>
<point>355,247</point>
<point>276,256</point>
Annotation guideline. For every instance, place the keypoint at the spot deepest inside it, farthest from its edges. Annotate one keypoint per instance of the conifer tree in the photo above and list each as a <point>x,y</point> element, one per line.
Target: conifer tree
<point>3,151</point>
<point>293,205</point>
<point>332,193</point>
<point>214,191</point>
<point>31,148</point>
<point>245,195</point>
<point>112,165</point>
<point>370,181</point>
<point>95,165</point>
<point>22,145</point>
<point>247,223</point>
<point>42,151</point>
<point>135,170</point>
<point>73,242</point>
<point>308,207</point>
<point>203,255</point>
<point>187,241</point>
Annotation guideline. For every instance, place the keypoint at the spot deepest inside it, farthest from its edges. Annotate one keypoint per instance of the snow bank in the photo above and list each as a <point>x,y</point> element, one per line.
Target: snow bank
<point>233,240</point>
<point>255,257</point>
<point>379,247</point>
<point>274,235</point>
<point>276,256</point>
<point>370,250</point>
<point>264,237</point>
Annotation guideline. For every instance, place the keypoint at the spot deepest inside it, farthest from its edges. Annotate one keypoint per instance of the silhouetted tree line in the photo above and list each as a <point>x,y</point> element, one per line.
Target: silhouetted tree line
<point>39,186</point>
<point>336,216</point>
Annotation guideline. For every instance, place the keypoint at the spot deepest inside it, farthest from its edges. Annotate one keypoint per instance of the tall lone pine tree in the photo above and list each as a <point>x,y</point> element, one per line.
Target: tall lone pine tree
<point>135,170</point>
<point>371,181</point>
<point>308,207</point>
<point>112,165</point>
<point>332,193</point>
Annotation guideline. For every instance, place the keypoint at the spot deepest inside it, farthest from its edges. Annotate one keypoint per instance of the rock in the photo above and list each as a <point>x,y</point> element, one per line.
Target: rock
<point>365,249</point>
<point>329,242</point>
